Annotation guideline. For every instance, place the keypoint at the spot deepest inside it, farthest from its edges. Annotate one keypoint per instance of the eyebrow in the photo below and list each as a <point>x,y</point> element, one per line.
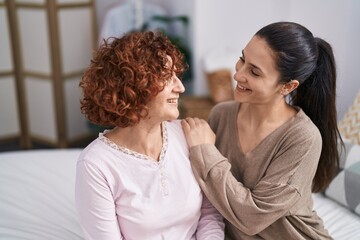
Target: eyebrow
<point>253,65</point>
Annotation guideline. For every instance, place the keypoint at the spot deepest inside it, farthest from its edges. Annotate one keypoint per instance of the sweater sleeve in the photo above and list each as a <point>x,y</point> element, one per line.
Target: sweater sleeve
<point>211,225</point>
<point>272,197</point>
<point>95,205</point>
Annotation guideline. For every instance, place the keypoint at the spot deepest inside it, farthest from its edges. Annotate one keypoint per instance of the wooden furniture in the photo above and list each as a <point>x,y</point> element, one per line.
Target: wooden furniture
<point>51,44</point>
<point>191,106</point>
<point>220,90</point>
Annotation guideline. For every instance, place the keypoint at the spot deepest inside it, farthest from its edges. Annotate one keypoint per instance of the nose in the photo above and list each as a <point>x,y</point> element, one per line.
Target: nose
<point>239,75</point>
<point>179,86</point>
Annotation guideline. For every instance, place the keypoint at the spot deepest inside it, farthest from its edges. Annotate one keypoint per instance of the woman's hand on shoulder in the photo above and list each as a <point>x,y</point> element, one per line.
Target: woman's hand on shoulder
<point>197,131</point>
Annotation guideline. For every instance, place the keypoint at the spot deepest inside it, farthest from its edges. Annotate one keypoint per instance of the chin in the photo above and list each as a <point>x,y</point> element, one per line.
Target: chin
<point>176,116</point>
<point>172,117</point>
<point>238,98</point>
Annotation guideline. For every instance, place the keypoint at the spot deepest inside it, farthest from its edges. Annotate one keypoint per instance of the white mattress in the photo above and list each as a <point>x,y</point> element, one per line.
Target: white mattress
<point>341,223</point>
<point>37,195</point>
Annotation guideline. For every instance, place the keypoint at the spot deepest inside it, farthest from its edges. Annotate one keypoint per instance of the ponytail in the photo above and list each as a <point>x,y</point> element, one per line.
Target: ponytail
<point>317,98</point>
<point>309,60</point>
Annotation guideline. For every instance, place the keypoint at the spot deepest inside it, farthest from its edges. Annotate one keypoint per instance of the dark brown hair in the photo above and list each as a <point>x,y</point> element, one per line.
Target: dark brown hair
<point>310,60</point>
<point>125,74</point>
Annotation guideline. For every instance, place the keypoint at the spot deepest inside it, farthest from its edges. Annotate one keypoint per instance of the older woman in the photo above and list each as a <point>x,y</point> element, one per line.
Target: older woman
<point>135,181</point>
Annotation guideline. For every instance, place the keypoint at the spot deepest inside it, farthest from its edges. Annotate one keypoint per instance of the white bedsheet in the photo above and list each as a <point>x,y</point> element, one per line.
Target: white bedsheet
<point>341,223</point>
<point>37,195</point>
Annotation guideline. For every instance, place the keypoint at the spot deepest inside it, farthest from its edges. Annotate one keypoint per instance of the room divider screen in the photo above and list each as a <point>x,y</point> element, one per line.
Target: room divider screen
<point>9,116</point>
<point>51,44</point>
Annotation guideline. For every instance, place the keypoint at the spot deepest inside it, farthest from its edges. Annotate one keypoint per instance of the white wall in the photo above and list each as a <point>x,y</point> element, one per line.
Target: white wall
<point>226,26</point>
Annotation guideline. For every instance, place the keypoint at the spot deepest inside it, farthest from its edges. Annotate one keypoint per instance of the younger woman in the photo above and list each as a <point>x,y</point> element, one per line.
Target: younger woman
<point>270,155</point>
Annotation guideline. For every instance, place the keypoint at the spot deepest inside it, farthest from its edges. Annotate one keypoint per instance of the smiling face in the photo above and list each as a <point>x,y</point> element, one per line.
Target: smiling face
<point>256,75</point>
<point>165,105</point>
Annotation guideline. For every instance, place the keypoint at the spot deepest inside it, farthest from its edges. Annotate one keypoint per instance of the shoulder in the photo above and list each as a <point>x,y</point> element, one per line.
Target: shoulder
<point>174,126</point>
<point>95,153</point>
<point>305,123</point>
<point>176,136</point>
<point>303,130</point>
<point>175,129</point>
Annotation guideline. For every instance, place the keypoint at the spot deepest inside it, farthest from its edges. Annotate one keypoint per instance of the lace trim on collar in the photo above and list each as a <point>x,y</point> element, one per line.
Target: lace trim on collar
<point>134,153</point>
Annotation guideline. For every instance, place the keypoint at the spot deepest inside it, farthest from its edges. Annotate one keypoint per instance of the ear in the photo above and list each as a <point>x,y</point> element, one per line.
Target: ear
<point>289,87</point>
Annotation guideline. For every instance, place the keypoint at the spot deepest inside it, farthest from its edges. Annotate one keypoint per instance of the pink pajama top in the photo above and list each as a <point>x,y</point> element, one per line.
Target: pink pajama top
<point>121,194</point>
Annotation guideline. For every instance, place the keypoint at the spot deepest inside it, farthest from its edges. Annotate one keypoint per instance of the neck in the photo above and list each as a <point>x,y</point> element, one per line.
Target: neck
<point>255,116</point>
<point>142,138</point>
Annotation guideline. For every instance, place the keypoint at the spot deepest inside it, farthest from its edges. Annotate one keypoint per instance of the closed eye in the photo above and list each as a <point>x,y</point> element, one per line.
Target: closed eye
<point>253,70</point>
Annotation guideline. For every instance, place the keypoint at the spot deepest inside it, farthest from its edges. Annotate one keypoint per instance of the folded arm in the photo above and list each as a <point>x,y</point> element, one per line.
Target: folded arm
<point>251,211</point>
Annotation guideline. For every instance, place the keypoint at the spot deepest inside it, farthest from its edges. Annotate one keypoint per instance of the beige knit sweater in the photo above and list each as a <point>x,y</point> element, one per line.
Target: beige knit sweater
<point>265,194</point>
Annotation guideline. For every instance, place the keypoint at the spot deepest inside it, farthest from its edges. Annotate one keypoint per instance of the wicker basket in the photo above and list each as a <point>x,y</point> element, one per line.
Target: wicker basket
<point>220,85</point>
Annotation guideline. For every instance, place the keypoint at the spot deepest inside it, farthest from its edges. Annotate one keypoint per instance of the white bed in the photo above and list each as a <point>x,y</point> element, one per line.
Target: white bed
<point>37,195</point>
<point>341,223</point>
<point>37,199</point>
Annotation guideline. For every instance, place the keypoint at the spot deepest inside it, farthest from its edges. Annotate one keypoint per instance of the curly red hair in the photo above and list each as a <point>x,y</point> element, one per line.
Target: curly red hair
<point>125,74</point>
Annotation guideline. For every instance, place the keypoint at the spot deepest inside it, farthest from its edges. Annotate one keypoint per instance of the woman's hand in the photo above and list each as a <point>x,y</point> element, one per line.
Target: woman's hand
<point>197,131</point>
